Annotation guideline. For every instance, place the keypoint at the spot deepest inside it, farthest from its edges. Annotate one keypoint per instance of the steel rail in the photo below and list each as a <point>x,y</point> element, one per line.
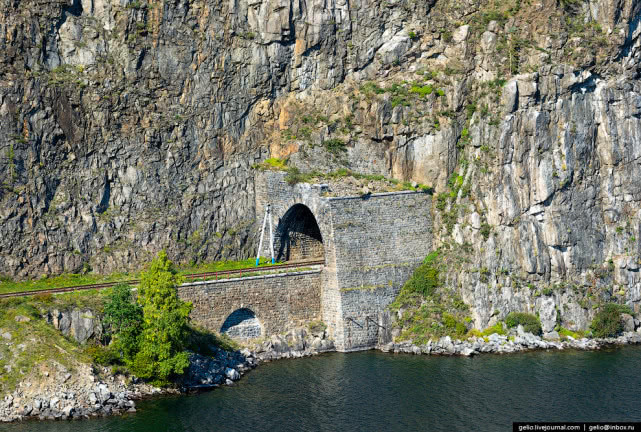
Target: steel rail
<point>189,277</point>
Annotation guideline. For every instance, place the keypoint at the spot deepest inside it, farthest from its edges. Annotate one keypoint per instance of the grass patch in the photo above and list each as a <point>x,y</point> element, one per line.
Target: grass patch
<point>429,322</point>
<point>422,91</point>
<point>564,333</point>
<point>316,326</point>
<point>371,88</point>
<point>67,280</point>
<point>64,280</point>
<point>222,266</point>
<point>32,343</point>
<point>497,328</point>
<point>294,176</point>
<point>272,164</point>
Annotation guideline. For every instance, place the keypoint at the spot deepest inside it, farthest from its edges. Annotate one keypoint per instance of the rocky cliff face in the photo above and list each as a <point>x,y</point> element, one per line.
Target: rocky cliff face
<point>127,127</point>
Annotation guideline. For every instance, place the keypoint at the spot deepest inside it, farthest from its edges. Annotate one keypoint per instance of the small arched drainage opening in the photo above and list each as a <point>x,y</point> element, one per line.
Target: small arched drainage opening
<point>298,236</point>
<point>242,324</point>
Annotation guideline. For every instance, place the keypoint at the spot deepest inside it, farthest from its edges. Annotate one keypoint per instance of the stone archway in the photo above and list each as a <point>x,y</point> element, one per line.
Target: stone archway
<point>298,236</point>
<point>242,324</point>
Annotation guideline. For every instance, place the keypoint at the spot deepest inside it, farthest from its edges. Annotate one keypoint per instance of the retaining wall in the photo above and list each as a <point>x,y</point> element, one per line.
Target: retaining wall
<point>279,301</point>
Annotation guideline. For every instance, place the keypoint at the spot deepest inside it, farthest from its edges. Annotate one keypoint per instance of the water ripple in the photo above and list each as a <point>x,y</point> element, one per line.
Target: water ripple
<point>372,391</point>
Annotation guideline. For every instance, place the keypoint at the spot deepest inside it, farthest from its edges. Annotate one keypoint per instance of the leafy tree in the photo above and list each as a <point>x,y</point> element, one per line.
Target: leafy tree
<point>161,351</point>
<point>125,318</point>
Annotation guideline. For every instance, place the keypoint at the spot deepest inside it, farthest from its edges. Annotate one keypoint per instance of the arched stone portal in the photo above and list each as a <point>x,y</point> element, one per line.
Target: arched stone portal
<point>298,236</point>
<point>242,324</point>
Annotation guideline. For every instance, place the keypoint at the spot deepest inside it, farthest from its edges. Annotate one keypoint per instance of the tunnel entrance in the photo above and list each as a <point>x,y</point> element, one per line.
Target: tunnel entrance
<point>242,324</point>
<point>298,236</point>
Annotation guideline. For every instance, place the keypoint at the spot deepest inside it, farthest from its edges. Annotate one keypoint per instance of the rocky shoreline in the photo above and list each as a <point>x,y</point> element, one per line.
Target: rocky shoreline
<point>90,393</point>
<point>226,367</point>
<point>61,394</point>
<point>504,344</point>
<point>56,393</point>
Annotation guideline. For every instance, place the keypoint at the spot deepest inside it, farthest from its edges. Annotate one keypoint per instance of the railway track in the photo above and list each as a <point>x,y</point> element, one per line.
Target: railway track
<point>193,277</point>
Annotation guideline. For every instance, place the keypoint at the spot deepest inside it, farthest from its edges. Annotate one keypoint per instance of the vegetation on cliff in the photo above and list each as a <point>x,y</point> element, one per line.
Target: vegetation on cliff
<point>426,308</point>
<point>381,183</point>
<point>30,343</point>
<point>530,323</point>
<point>607,322</point>
<point>147,334</point>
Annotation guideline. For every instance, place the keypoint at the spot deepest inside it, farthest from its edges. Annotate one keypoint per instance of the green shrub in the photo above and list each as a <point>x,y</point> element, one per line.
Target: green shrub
<point>564,333</point>
<point>431,257</point>
<point>273,164</point>
<point>441,201</point>
<point>120,310</point>
<point>486,229</point>
<point>425,278</point>
<point>453,326</point>
<point>607,322</point>
<point>422,90</point>
<point>124,317</point>
<point>529,322</point>
<point>316,326</point>
<point>547,291</point>
<point>496,328</point>
<point>334,145</point>
<point>44,297</point>
<point>470,109</point>
<point>105,356</point>
<point>294,176</point>
<point>371,87</point>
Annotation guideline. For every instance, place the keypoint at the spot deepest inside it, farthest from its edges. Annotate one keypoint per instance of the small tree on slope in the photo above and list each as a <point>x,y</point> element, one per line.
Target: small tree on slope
<point>161,352</point>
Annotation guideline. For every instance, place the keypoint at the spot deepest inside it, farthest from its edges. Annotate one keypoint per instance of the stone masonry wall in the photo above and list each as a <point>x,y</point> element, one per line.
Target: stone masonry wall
<point>279,301</point>
<point>271,188</point>
<point>378,241</point>
<point>372,244</point>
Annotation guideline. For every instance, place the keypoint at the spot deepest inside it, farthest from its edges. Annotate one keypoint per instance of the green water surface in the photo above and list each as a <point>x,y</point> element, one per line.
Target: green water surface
<point>373,391</point>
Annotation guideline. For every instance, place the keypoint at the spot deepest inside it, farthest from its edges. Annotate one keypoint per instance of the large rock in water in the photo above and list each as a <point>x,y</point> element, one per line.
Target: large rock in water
<point>278,344</point>
<point>232,374</point>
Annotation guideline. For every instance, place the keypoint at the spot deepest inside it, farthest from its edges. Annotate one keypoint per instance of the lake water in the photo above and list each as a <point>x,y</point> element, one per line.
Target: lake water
<point>373,391</point>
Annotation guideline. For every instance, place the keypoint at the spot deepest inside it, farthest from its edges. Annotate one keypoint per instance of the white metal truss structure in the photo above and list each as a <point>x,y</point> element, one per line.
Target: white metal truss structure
<point>268,215</point>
